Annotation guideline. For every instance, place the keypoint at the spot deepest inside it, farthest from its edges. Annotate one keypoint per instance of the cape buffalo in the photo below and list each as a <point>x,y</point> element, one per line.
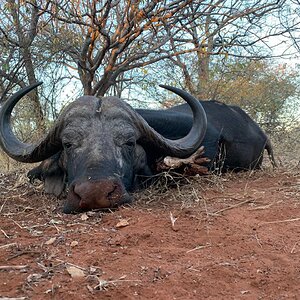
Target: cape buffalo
<point>233,141</point>
<point>99,147</point>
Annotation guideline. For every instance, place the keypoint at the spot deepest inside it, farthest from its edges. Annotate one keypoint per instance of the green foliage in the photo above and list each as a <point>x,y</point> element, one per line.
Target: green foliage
<point>268,92</point>
<point>264,90</point>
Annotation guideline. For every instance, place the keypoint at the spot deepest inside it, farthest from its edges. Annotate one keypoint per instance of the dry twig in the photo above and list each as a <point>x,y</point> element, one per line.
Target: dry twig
<point>232,206</point>
<point>22,253</point>
<point>199,247</point>
<point>280,221</point>
<point>16,267</point>
<point>173,220</point>
<point>4,233</point>
<point>8,245</point>
<point>70,264</point>
<point>1,208</point>
<point>19,298</point>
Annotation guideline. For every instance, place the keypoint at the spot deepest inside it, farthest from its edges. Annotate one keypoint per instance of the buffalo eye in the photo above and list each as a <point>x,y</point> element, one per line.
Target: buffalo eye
<point>67,145</point>
<point>130,143</point>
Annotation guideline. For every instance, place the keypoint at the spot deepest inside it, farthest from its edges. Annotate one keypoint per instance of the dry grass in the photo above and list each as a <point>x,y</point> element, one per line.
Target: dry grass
<point>190,191</point>
<point>174,187</point>
<point>170,187</point>
<point>287,148</point>
<point>8,164</point>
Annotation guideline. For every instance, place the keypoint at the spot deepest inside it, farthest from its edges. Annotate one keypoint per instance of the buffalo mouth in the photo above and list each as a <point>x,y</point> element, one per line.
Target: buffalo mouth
<point>95,194</point>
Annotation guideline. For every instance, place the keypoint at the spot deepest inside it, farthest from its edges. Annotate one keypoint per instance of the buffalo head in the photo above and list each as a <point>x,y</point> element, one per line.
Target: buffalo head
<point>101,145</point>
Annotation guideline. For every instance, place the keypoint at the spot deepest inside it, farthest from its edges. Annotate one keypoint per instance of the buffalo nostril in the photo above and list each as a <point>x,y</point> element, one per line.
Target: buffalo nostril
<point>96,195</point>
<point>115,193</point>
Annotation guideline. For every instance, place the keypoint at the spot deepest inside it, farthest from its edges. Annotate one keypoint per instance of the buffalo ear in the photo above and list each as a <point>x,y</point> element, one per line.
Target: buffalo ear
<point>142,170</point>
<point>35,173</point>
<point>52,172</point>
<point>55,183</point>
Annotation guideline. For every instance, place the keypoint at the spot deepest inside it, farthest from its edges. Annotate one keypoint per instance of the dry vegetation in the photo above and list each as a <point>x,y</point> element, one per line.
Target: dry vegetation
<point>234,236</point>
<point>287,148</point>
<point>240,231</point>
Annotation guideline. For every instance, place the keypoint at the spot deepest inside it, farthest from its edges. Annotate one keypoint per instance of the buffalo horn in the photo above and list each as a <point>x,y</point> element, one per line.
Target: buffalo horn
<point>23,152</point>
<point>187,145</point>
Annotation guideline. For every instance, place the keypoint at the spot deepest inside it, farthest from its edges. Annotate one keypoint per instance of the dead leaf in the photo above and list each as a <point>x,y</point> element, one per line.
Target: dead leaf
<point>74,244</point>
<point>93,270</point>
<point>50,241</point>
<point>84,217</point>
<point>122,223</point>
<point>75,272</point>
<point>53,221</point>
<point>245,292</point>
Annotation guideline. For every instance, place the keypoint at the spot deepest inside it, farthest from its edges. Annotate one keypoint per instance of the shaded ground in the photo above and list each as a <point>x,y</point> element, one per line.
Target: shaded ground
<point>233,237</point>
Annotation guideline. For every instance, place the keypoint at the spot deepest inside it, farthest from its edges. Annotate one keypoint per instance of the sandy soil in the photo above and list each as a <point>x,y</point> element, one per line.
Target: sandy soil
<point>230,237</point>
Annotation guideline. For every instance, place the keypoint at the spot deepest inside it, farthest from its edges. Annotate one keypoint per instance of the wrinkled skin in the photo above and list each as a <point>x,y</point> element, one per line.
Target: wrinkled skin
<point>113,157</point>
<point>119,158</point>
<point>98,149</point>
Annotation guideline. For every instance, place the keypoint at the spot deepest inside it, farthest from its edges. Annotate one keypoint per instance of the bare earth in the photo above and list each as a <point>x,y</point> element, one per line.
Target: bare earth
<point>230,237</point>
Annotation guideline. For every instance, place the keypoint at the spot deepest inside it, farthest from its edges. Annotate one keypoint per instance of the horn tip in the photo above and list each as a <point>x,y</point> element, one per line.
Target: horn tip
<point>164,86</point>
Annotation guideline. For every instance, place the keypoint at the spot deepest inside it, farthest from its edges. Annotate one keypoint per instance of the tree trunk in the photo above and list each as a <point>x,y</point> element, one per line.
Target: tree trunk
<point>204,56</point>
<point>37,108</point>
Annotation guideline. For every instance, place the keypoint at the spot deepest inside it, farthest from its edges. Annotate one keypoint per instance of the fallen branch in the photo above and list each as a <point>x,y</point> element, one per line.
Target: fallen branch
<point>294,247</point>
<point>191,165</point>
<point>4,233</point>
<point>8,245</point>
<point>20,267</point>
<point>199,247</point>
<point>1,208</point>
<point>22,253</point>
<point>20,298</point>
<point>232,206</point>
<point>104,284</point>
<point>70,264</point>
<point>280,221</point>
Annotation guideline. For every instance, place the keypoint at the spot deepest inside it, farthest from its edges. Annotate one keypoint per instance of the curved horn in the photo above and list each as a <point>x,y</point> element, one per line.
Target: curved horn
<point>187,145</point>
<point>16,149</point>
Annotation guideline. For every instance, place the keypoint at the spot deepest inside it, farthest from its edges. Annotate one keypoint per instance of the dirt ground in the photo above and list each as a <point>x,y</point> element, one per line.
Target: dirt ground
<point>229,237</point>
